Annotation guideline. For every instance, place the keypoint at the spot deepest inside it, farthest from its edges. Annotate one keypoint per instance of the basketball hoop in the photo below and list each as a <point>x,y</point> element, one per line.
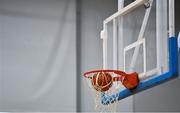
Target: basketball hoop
<point>108,82</point>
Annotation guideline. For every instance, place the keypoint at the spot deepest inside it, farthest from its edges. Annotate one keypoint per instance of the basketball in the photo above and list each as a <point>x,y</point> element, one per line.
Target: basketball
<point>102,81</point>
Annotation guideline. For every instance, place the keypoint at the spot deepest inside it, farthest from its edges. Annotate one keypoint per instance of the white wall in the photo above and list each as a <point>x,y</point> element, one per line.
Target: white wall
<point>38,59</point>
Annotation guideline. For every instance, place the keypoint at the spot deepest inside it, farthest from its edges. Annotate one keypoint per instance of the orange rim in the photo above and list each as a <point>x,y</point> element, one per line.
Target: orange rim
<point>96,71</point>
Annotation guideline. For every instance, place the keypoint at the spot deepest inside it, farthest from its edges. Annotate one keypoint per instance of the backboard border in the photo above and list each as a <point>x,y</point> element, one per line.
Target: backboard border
<point>152,81</point>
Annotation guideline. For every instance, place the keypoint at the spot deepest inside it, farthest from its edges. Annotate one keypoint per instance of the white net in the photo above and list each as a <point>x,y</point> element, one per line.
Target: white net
<point>105,101</point>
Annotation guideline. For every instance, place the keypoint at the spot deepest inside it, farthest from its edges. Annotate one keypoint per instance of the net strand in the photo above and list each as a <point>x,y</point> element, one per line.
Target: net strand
<point>102,100</point>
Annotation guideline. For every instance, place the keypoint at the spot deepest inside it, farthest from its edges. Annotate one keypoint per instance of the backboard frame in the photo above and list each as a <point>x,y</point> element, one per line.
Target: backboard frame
<point>152,81</point>
<point>172,55</point>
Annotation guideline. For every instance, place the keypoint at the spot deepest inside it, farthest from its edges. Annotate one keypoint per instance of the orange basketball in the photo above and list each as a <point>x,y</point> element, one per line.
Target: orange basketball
<point>102,81</point>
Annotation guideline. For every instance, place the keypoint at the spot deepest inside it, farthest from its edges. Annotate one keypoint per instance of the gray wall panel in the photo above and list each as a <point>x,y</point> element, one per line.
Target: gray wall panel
<point>38,59</point>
